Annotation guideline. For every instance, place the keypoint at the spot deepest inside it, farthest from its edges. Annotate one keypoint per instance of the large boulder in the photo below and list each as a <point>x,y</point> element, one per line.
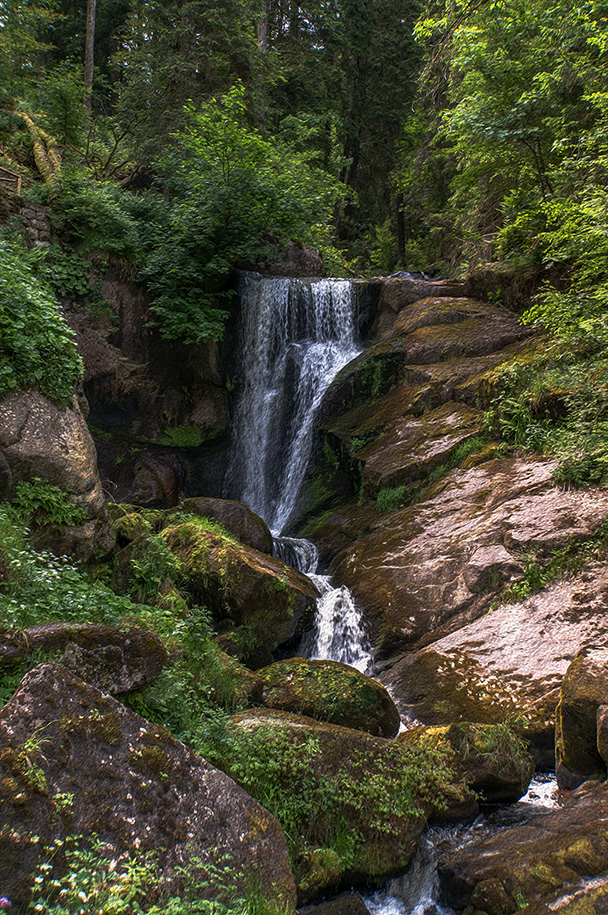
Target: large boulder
<point>115,660</point>
<point>537,862</point>
<point>363,798</point>
<point>237,517</point>
<point>509,664</point>
<point>75,761</point>
<point>269,603</point>
<point>40,439</point>
<point>583,693</point>
<point>330,691</point>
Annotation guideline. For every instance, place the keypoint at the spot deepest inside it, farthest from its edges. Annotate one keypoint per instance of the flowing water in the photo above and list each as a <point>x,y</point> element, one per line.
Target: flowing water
<point>297,335</point>
<point>417,892</point>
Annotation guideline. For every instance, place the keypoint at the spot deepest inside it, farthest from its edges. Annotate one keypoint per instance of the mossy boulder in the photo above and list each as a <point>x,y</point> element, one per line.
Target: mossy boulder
<point>113,659</point>
<point>75,761</point>
<point>333,787</point>
<point>584,690</point>
<point>491,759</point>
<point>271,603</point>
<point>236,517</point>
<point>40,439</point>
<point>536,862</point>
<point>345,904</point>
<point>330,691</point>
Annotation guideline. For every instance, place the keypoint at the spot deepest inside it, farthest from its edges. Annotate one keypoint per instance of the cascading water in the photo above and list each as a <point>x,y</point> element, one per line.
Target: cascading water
<point>296,336</point>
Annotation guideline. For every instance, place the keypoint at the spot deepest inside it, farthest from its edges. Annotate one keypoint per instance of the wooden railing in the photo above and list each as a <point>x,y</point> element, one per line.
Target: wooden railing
<point>10,179</point>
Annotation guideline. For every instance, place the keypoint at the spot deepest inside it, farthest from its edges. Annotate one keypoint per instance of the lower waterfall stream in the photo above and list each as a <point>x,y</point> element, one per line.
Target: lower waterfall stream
<point>297,335</point>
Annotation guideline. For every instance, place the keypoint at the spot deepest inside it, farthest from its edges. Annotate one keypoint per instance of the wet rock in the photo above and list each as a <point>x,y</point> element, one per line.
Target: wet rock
<point>409,574</point>
<point>413,447</point>
<point>115,660</point>
<point>237,517</point>
<point>491,759</point>
<point>536,862</point>
<point>346,904</point>
<point>270,602</point>
<point>40,439</point>
<point>330,691</point>
<point>509,664</point>
<point>583,692</point>
<point>128,782</point>
<point>351,775</point>
<point>399,293</point>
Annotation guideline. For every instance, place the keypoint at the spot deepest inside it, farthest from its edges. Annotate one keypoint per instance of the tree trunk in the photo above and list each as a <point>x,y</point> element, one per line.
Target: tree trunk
<point>263,27</point>
<point>88,54</point>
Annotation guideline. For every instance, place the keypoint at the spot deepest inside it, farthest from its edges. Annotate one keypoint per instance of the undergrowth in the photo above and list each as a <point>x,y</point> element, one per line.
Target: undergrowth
<point>557,405</point>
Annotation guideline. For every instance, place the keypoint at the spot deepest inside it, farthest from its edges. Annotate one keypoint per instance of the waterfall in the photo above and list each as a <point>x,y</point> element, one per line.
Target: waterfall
<point>296,336</point>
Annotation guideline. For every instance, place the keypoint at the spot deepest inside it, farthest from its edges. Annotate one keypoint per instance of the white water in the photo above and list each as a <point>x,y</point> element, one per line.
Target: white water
<point>417,891</point>
<point>296,337</point>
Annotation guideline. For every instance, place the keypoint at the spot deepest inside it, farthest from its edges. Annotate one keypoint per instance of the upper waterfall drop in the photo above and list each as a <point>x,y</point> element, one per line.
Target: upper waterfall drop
<point>296,336</point>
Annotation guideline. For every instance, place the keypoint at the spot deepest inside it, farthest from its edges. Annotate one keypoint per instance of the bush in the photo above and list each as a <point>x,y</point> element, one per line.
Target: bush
<point>37,348</point>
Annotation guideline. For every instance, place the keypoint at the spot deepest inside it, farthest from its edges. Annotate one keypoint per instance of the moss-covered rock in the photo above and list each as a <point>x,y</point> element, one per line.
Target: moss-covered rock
<point>332,692</point>
<point>76,761</point>
<point>115,660</point>
<point>492,760</point>
<point>238,518</point>
<point>41,440</point>
<point>270,602</point>
<point>333,787</point>
<point>584,690</point>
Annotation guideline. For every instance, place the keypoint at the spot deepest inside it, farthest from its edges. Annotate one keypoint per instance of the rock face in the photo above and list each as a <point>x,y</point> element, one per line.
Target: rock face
<point>582,707</point>
<point>509,664</point>
<point>330,691</point>
<point>115,660</point>
<point>266,602</point>
<point>40,439</point>
<point>430,564</point>
<point>75,761</point>
<point>238,518</point>
<point>537,863</point>
<point>298,260</point>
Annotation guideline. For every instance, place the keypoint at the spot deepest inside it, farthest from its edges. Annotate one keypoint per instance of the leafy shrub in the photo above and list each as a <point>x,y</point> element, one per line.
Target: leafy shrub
<point>37,348</point>
<point>92,216</point>
<point>42,501</point>
<point>67,274</point>
<point>93,878</point>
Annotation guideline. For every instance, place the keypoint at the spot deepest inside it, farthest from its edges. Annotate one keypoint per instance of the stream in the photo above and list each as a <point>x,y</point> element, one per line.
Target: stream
<point>296,337</point>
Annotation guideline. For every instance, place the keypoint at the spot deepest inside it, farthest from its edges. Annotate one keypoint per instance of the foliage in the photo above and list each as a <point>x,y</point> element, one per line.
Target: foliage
<point>65,273</point>
<point>284,771</point>
<point>40,501</point>
<point>93,217</point>
<point>230,189</point>
<point>97,878</point>
<point>557,404</point>
<point>390,498</point>
<point>37,347</point>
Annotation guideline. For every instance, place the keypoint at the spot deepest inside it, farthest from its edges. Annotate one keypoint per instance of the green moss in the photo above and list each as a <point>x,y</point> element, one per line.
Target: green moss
<point>183,437</point>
